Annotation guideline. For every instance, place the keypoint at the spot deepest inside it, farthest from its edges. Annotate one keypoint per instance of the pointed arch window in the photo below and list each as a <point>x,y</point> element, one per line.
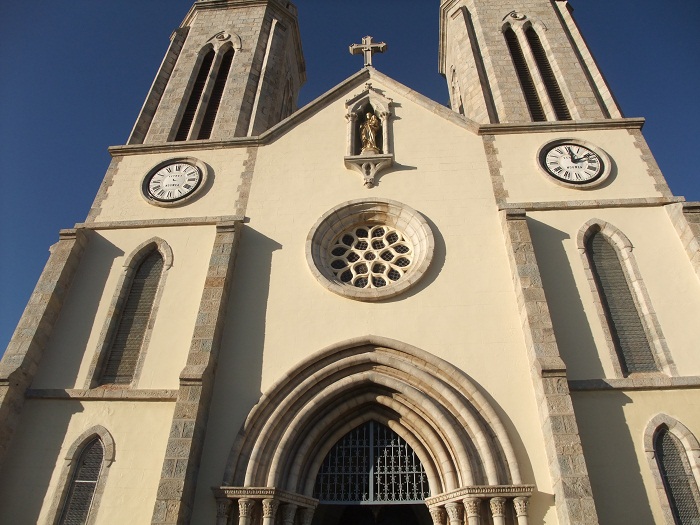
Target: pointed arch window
<point>83,482</point>
<point>677,476</point>
<point>532,100</point>
<point>200,82</point>
<point>216,94</point>
<point>371,464</point>
<point>120,363</point>
<point>547,74</point>
<point>625,324</point>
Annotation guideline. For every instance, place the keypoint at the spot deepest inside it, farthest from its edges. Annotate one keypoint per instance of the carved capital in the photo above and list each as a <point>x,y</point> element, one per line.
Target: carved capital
<point>521,505</point>
<point>472,506</point>
<point>245,507</point>
<point>454,511</point>
<point>270,507</point>
<point>498,507</point>
<point>438,515</point>
<point>352,116</point>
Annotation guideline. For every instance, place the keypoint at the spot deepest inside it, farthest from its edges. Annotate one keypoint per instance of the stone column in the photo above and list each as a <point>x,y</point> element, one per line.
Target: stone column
<point>270,507</point>
<point>289,511</point>
<point>223,510</point>
<point>438,515</point>
<point>245,510</point>
<point>307,515</point>
<point>473,508</point>
<point>385,132</point>
<point>498,510</point>
<point>520,505</point>
<point>23,354</point>
<point>351,118</point>
<point>454,512</point>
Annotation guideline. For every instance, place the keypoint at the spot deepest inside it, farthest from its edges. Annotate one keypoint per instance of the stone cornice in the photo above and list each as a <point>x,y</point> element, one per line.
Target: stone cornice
<point>223,221</point>
<point>102,394</point>
<point>265,493</point>
<point>636,382</point>
<point>647,202</point>
<point>561,125</point>
<point>481,491</point>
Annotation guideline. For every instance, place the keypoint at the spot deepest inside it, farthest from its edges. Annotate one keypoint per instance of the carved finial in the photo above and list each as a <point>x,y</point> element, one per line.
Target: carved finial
<point>367,48</point>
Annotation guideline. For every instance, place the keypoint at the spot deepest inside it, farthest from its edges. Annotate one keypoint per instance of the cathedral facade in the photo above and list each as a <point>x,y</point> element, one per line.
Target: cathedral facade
<point>374,309</point>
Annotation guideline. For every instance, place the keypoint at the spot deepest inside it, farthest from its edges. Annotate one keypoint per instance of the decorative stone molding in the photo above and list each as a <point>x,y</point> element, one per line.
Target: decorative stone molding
<point>413,234</point>
<point>647,315</point>
<point>252,494</point>
<point>472,506</point>
<point>521,508</point>
<point>245,507</point>
<point>369,162</point>
<point>454,513</point>
<point>498,507</point>
<point>438,515</point>
<point>483,492</point>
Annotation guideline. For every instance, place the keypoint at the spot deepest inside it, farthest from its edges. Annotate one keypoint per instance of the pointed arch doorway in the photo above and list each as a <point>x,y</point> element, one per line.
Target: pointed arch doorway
<point>371,477</point>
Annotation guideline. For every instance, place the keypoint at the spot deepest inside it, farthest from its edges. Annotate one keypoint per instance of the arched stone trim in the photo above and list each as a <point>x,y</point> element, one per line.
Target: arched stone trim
<point>130,266</point>
<point>692,449</point>
<point>70,463</point>
<point>431,404</point>
<point>623,247</point>
<point>225,38</point>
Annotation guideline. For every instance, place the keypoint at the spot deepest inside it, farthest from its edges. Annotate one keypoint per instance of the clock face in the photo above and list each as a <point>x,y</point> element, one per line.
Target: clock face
<point>572,163</point>
<point>173,182</point>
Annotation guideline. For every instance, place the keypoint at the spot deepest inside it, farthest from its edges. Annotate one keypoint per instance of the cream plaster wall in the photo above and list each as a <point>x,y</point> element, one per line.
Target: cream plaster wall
<point>76,337</point>
<point>670,280</point>
<point>463,310</point>
<point>525,181</point>
<point>34,463</point>
<point>124,200</point>
<point>612,426</point>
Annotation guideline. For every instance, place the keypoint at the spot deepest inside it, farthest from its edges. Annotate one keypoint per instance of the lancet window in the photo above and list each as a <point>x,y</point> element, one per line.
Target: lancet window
<point>371,464</point>
<point>678,479</point>
<point>527,84</point>
<point>547,74</point>
<point>83,482</point>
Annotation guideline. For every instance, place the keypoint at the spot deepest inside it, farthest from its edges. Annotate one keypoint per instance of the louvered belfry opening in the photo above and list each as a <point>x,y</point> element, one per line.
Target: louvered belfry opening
<point>624,322</point>
<point>216,94</point>
<point>532,100</point>
<point>371,464</point>
<point>679,482</point>
<point>547,74</point>
<point>82,484</point>
<point>126,346</point>
<point>183,130</point>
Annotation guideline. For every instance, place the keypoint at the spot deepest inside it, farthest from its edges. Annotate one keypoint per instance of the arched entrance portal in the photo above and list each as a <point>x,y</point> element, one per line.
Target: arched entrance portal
<point>371,477</point>
<point>429,408</point>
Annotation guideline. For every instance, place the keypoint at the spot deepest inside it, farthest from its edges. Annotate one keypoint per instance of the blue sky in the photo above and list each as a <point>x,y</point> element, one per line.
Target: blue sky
<point>74,76</point>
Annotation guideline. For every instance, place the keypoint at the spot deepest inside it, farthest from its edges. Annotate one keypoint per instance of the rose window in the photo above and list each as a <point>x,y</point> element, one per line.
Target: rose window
<point>369,249</point>
<point>368,256</point>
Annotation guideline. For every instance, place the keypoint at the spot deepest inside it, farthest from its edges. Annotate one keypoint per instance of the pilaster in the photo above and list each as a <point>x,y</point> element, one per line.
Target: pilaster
<point>181,464</point>
<point>572,487</point>
<point>23,354</point>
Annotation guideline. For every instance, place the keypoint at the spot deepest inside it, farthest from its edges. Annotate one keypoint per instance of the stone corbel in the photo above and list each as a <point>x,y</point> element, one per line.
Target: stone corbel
<point>369,166</point>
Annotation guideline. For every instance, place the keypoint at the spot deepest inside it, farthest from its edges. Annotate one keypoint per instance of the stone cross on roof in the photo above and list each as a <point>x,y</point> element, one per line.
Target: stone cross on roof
<point>367,48</point>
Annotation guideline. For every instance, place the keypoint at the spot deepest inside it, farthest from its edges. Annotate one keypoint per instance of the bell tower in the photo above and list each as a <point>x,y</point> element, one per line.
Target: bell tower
<point>525,65</point>
<point>233,69</point>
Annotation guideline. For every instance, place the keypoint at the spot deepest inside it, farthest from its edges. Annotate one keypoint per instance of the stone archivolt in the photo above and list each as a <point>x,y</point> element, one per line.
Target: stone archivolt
<point>428,402</point>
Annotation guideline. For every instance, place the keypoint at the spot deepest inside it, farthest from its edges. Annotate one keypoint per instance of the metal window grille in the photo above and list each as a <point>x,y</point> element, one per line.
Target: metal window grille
<point>126,346</point>
<point>620,309</point>
<point>547,74</point>
<point>371,464</point>
<point>526,83</point>
<point>82,487</point>
<point>679,482</point>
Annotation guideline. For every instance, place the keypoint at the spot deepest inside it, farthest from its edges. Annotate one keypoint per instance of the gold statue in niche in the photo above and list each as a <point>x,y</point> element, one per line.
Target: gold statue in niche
<point>368,133</point>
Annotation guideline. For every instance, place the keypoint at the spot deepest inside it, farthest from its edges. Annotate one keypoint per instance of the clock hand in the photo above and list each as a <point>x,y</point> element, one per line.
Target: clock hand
<point>573,157</point>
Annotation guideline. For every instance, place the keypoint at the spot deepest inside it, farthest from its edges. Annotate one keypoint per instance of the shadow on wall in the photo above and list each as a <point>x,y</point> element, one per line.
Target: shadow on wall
<point>24,497</point>
<point>239,371</point>
<point>69,341</point>
<point>571,325</point>
<point>609,449</point>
